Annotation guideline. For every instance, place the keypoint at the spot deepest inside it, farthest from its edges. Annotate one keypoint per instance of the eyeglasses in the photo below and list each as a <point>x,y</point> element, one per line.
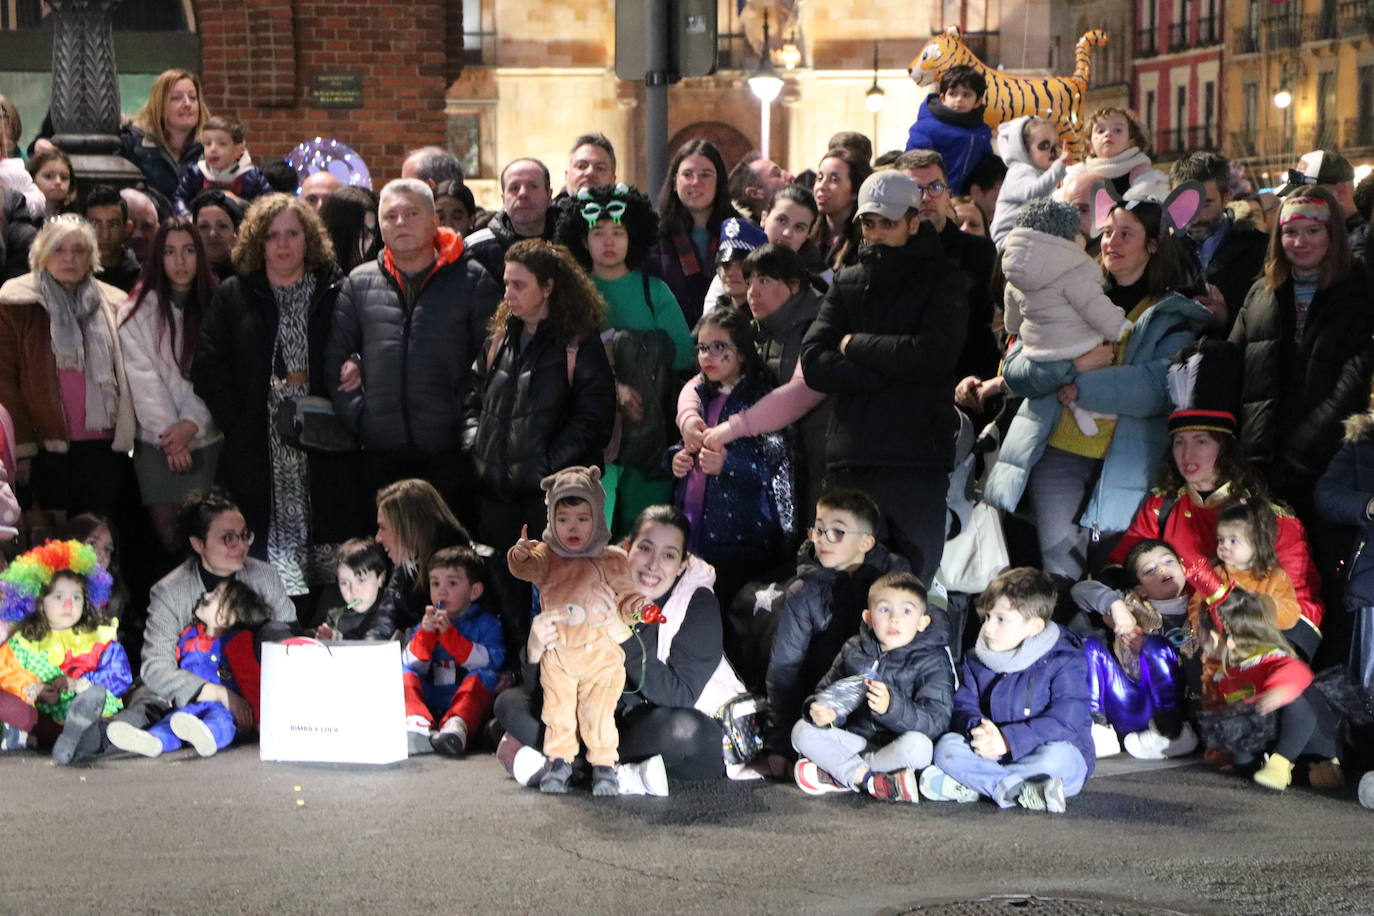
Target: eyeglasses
<point>592,212</point>
<point>234,538</point>
<point>934,189</point>
<point>831,535</point>
<point>716,348</point>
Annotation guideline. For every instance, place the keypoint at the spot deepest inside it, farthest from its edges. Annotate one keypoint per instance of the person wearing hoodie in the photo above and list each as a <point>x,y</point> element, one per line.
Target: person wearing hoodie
<point>951,123</point>
<point>888,697</point>
<point>1118,142</point>
<point>1021,730</point>
<point>1035,165</point>
<point>406,330</point>
<point>821,607</point>
<point>1054,298</point>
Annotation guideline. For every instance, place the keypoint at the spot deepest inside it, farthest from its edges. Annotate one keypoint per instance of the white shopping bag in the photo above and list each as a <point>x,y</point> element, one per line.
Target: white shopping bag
<point>336,702</point>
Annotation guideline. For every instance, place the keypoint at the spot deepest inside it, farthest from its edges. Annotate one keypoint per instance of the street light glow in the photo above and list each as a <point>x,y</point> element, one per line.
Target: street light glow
<point>1283,98</point>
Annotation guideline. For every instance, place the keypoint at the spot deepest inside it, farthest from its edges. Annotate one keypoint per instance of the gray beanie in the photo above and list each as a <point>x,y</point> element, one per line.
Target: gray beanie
<point>1052,217</point>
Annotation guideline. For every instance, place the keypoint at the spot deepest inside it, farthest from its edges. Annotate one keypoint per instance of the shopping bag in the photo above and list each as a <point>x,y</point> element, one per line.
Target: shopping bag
<point>340,702</point>
<point>974,556</point>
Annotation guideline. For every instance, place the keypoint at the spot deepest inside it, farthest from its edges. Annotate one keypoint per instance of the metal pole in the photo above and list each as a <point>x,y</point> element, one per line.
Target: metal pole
<point>656,94</point>
<point>765,108</point>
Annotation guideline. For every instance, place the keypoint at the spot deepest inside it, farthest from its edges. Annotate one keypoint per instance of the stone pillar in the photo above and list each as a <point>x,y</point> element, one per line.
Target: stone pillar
<point>85,92</point>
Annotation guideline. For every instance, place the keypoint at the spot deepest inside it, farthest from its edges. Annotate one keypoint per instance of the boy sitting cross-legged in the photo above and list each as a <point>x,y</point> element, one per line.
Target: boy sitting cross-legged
<point>1021,732</point>
<point>451,659</point>
<point>888,696</point>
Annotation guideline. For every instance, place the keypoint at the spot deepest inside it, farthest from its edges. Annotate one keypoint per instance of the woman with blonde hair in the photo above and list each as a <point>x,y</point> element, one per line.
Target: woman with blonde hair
<point>542,398</point>
<point>413,522</point>
<point>165,134</point>
<point>262,346</point>
<point>62,373</point>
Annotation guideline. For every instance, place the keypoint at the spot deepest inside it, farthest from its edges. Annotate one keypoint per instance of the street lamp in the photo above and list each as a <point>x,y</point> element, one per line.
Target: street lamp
<point>875,98</point>
<point>765,83</point>
<point>1283,98</point>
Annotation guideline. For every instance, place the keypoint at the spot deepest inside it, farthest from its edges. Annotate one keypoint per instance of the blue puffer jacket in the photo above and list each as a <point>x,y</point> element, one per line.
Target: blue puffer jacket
<point>1342,496</point>
<point>961,145</point>
<point>1135,391</point>
<point>1045,701</point>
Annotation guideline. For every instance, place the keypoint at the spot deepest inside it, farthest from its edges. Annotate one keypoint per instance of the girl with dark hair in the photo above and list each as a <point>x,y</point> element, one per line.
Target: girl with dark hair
<point>610,229</point>
<point>838,179</point>
<point>178,444</point>
<point>676,674</point>
<point>52,172</point>
<point>695,201</point>
<point>542,398</point>
<point>455,205</point>
<point>350,218</point>
<point>1084,489</point>
<point>739,500</point>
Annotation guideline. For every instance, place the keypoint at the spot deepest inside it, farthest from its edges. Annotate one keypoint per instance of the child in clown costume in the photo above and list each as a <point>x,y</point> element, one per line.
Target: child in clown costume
<point>62,668</point>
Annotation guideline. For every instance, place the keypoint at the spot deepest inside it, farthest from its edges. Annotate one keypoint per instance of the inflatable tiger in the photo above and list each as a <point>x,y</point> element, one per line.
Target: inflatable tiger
<point>1059,98</point>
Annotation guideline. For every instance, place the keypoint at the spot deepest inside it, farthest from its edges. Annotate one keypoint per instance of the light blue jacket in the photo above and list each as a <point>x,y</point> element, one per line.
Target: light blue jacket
<point>1135,391</point>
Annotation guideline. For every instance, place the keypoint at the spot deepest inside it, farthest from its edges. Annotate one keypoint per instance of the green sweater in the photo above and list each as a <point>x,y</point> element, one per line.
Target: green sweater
<point>629,312</point>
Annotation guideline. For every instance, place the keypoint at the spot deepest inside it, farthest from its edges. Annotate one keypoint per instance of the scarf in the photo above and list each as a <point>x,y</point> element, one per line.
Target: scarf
<point>214,176</point>
<point>1118,165</point>
<point>687,252</point>
<point>82,342</point>
<point>966,119</point>
<point>1023,656</point>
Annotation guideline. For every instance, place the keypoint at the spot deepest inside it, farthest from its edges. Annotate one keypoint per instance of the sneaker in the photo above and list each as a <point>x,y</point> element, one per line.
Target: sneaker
<point>133,740</point>
<point>82,716</point>
<point>1151,744</point>
<point>13,739</point>
<point>937,785</point>
<point>1366,791</point>
<point>812,780</point>
<point>524,764</point>
<point>1326,774</point>
<point>648,777</point>
<point>1276,774</point>
<point>556,777</point>
<point>898,786</point>
<point>605,781</point>
<point>452,738</point>
<point>418,743</point>
<point>1105,741</point>
<point>1042,795</point>
<point>194,732</point>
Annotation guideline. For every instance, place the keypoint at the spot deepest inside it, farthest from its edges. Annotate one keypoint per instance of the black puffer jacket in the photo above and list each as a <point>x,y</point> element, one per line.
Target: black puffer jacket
<point>488,245</point>
<point>919,678</point>
<point>975,256</point>
<point>1342,497</point>
<point>232,373</point>
<point>821,609</point>
<point>907,309</point>
<point>1296,392</point>
<point>417,349</point>
<point>524,421</point>
<point>19,229</point>
<point>160,170</point>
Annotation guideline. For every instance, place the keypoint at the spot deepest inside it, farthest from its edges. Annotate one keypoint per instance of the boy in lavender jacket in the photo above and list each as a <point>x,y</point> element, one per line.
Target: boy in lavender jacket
<point>1021,732</point>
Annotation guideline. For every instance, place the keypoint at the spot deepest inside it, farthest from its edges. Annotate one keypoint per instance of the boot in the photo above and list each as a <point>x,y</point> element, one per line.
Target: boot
<point>83,716</point>
<point>1276,774</point>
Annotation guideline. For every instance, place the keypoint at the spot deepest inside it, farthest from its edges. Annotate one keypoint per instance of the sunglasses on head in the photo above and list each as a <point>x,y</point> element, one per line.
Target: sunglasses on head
<point>592,212</point>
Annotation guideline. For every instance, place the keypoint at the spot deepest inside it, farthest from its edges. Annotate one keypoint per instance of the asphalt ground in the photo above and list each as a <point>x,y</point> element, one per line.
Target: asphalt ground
<point>231,834</point>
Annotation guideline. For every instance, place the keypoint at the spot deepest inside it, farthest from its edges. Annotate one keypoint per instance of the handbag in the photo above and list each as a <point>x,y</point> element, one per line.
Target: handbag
<point>336,703</point>
<point>977,554</point>
<point>742,722</point>
<point>311,425</point>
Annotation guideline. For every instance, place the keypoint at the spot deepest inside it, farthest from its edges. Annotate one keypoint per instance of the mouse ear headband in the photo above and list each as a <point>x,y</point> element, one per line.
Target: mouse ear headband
<point>1179,207</point>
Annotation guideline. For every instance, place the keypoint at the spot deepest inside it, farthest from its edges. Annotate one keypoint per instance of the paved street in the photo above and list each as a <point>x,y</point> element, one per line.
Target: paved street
<point>184,835</point>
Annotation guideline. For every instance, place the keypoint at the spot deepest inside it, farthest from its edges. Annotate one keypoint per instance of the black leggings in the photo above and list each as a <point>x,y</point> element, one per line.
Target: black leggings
<point>689,741</point>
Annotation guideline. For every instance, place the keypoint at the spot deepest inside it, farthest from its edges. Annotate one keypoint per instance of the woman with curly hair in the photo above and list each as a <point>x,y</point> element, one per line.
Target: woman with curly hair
<point>609,229</point>
<point>695,201</point>
<point>165,134</point>
<point>542,399</point>
<point>263,343</point>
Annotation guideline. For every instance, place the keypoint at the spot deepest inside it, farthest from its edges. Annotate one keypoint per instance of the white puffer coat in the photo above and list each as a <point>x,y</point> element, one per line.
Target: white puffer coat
<point>1054,297</point>
<point>162,395</point>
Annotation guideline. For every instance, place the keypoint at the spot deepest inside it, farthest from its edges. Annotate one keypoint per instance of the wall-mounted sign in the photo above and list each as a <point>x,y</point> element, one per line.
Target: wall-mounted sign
<point>337,89</point>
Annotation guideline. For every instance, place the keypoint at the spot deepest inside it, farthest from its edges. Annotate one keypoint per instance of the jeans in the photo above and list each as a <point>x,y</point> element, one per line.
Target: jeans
<point>842,753</point>
<point>1001,781</point>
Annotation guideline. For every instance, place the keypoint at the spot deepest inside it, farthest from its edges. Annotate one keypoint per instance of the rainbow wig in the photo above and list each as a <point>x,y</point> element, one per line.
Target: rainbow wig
<point>30,573</point>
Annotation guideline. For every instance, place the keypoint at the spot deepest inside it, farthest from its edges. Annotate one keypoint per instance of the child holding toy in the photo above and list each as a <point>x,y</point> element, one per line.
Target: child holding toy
<point>874,717</point>
<point>360,569</point>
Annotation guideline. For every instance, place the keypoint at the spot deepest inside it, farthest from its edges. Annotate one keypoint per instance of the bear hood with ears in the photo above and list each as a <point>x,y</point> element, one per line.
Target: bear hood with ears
<point>580,483</point>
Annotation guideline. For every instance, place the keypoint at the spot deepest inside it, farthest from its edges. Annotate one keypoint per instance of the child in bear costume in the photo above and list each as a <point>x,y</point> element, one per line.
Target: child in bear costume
<point>583,584</point>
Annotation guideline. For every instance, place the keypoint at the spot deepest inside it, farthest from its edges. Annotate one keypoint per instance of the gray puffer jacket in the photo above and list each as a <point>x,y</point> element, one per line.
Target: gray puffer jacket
<point>416,349</point>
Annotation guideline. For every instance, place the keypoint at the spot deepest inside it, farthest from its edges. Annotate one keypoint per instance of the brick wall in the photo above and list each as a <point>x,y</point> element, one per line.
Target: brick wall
<point>259,56</point>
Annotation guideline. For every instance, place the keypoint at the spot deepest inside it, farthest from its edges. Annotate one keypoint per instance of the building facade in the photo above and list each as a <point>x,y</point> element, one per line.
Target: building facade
<point>1178,78</point>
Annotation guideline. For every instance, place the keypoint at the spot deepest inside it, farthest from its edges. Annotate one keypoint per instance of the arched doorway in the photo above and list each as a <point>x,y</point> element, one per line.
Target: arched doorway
<point>731,143</point>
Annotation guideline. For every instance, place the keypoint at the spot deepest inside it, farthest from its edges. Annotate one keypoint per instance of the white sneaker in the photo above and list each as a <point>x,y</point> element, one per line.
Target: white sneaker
<point>1149,744</point>
<point>528,766</point>
<point>1105,741</point>
<point>133,740</point>
<point>194,732</point>
<point>648,777</point>
<point>452,738</point>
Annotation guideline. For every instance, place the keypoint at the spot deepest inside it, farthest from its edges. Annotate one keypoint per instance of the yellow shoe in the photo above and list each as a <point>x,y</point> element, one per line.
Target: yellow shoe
<point>1276,774</point>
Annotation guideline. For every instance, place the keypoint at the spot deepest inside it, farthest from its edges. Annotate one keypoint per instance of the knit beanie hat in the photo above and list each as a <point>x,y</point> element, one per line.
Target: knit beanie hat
<point>577,483</point>
<point>1052,217</point>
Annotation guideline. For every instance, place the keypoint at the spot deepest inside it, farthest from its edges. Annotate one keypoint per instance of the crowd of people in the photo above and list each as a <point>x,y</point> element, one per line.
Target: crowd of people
<point>241,403</point>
